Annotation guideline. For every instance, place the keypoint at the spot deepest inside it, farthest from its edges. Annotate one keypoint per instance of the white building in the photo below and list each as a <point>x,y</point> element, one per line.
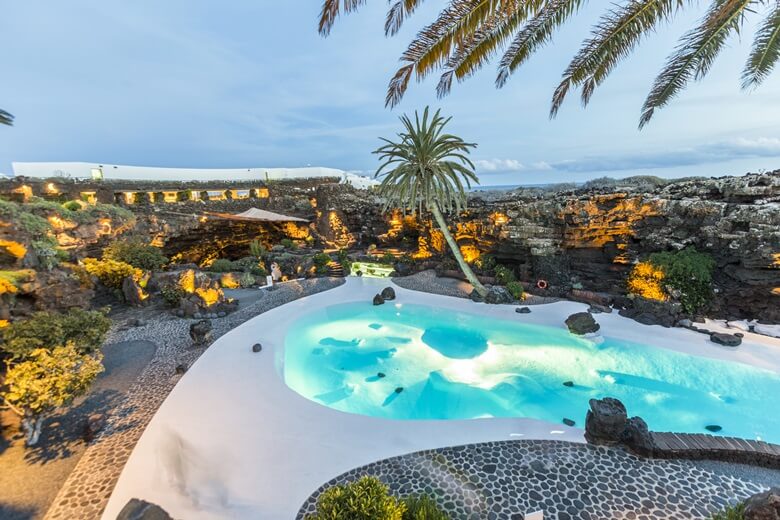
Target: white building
<point>150,173</point>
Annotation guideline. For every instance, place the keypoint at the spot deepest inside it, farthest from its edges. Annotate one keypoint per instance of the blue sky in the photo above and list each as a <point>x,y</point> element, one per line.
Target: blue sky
<point>196,83</point>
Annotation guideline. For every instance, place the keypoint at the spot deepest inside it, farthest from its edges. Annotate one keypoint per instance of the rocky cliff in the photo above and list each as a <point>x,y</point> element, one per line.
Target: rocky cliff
<point>590,238</point>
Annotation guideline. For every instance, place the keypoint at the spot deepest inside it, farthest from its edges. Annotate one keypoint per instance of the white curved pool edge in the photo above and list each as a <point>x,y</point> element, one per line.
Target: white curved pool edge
<point>233,441</point>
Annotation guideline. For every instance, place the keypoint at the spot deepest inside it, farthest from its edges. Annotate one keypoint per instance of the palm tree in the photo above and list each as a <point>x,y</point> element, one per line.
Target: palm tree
<point>6,118</point>
<point>467,34</point>
<point>426,169</point>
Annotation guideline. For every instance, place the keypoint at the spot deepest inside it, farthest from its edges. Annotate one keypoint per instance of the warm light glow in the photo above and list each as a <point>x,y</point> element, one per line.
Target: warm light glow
<point>646,280</point>
<point>89,197</point>
<point>776,291</point>
<point>187,281</point>
<point>14,249</point>
<point>25,190</point>
<point>470,253</point>
<point>229,281</point>
<point>170,196</point>
<point>295,231</point>
<point>499,218</point>
<point>209,296</point>
<point>262,193</point>
<point>51,188</point>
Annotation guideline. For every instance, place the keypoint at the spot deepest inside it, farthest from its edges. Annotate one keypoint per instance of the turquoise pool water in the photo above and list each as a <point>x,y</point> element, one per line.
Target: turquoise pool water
<point>416,362</point>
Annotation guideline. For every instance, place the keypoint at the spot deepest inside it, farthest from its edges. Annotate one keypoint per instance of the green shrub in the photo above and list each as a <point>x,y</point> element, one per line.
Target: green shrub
<point>247,280</point>
<point>257,249</point>
<point>422,507</point>
<point>343,259</point>
<point>503,275</point>
<point>516,290</point>
<point>689,272</point>
<point>486,262</point>
<point>8,209</point>
<point>364,499</point>
<point>249,264</point>
<point>115,213</point>
<point>136,253</point>
<point>184,196</point>
<point>111,273</point>
<point>172,294</point>
<point>222,265</point>
<point>288,244</point>
<point>321,260</point>
<point>33,224</point>
<point>388,258</point>
<point>72,205</point>
<point>86,330</point>
<point>736,512</point>
<point>48,255</point>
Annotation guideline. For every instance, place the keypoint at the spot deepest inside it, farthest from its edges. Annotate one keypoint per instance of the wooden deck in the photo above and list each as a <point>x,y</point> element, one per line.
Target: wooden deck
<point>729,449</point>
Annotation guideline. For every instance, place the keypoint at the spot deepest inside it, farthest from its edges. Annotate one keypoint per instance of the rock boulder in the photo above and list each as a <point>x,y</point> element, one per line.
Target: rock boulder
<point>606,421</point>
<point>728,340</point>
<point>138,509</point>
<point>763,506</point>
<point>200,332</point>
<point>582,323</point>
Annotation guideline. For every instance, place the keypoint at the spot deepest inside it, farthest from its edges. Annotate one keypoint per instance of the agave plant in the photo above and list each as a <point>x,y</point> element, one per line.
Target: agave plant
<point>468,34</point>
<point>427,169</point>
<point>6,118</point>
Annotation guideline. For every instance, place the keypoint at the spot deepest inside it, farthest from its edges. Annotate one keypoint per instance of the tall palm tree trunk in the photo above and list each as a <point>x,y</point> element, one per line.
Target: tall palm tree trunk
<point>466,268</point>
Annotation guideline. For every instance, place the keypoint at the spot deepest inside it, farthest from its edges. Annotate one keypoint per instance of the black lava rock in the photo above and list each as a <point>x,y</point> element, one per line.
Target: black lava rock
<point>399,390</point>
<point>523,310</point>
<point>388,293</point>
<point>568,383</point>
<point>582,323</point>
<point>714,428</point>
<point>257,347</point>
<point>568,422</point>
<point>728,340</point>
<point>380,375</point>
<point>378,300</point>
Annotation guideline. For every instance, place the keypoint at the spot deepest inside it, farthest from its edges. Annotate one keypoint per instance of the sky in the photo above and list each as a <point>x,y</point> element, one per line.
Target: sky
<point>250,83</point>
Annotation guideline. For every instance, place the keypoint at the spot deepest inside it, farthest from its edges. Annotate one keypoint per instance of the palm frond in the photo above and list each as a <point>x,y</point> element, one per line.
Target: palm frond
<point>331,10</point>
<point>432,46</point>
<point>534,35</point>
<point>766,50</point>
<point>6,118</point>
<point>613,39</point>
<point>482,45</point>
<point>399,12</point>
<point>695,53</point>
<point>425,167</point>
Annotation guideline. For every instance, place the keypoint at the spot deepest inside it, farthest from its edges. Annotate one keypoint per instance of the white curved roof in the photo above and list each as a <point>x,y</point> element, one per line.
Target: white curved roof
<point>153,173</point>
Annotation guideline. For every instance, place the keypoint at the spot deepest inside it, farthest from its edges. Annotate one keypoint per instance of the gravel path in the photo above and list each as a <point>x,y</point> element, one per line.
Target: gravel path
<point>87,489</point>
<point>427,281</point>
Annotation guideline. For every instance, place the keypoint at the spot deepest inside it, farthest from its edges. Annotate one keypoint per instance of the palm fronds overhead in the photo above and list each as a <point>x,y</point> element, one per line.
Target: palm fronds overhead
<point>6,118</point>
<point>468,34</point>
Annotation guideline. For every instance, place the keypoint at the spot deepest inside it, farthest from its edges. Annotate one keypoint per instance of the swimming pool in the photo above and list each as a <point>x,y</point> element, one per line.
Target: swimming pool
<point>404,361</point>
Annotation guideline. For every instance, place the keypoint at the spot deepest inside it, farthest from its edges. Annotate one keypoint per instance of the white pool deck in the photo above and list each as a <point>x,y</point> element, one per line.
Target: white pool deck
<point>233,441</point>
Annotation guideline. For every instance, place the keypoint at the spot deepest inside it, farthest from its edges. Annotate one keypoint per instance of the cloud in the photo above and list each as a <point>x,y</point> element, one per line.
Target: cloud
<point>738,148</point>
<point>499,165</point>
